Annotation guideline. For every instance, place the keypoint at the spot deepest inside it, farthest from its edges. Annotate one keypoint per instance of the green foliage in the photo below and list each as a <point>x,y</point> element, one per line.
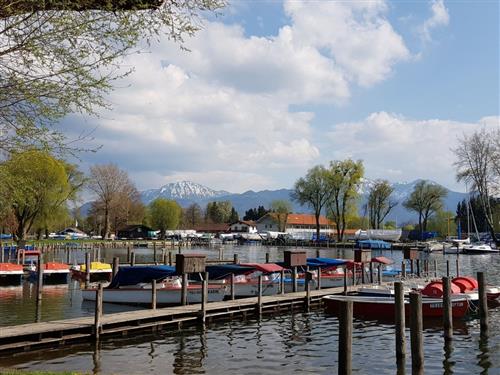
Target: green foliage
<point>255,213</point>
<point>443,222</point>
<point>379,202</point>
<point>62,57</point>
<point>165,214</point>
<point>36,185</point>
<point>344,177</point>
<point>426,199</point>
<point>390,225</point>
<point>233,217</point>
<point>219,212</point>
<point>192,216</point>
<point>281,209</point>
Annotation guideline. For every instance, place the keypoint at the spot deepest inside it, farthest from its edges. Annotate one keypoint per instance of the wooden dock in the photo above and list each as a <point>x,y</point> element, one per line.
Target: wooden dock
<point>33,336</point>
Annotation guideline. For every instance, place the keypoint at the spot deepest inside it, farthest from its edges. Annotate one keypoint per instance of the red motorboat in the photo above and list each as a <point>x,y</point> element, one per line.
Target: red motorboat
<point>11,274</point>
<point>383,307</point>
<point>53,272</point>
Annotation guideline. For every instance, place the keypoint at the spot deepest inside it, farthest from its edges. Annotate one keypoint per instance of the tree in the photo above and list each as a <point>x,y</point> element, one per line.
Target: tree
<point>281,209</point>
<point>59,57</point>
<point>426,199</point>
<point>255,213</point>
<point>314,191</point>
<point>443,223</point>
<point>192,215</point>
<point>111,186</point>
<point>218,212</point>
<point>380,202</point>
<point>165,214</point>
<point>37,184</point>
<point>344,177</point>
<point>478,165</point>
<point>233,217</point>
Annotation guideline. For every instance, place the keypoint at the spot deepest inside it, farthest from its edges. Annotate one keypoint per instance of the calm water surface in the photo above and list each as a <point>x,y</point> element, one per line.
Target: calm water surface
<point>288,343</point>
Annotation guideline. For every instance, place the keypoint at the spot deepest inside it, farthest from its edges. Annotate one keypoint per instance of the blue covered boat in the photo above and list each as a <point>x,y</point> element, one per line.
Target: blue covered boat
<point>373,244</point>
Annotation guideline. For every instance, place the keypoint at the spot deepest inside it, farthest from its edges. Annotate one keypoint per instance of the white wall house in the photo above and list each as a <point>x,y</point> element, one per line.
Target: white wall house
<point>301,226</point>
<point>241,226</point>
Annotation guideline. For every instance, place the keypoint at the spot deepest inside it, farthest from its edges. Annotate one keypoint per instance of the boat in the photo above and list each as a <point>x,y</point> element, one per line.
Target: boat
<point>382,307</point>
<point>373,244</point>
<point>133,286</point>
<point>53,272</point>
<point>479,248</point>
<point>98,271</point>
<point>11,274</point>
<point>431,246</point>
<point>392,235</point>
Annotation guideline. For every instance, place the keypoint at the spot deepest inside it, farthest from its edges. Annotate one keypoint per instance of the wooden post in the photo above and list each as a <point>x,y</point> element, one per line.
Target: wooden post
<point>294,279</point>
<point>184,289</point>
<point>379,274</point>
<point>232,287</point>
<point>318,286</point>
<point>220,253</point>
<point>317,253</point>
<point>483,304</point>
<point>267,257</point>
<point>354,274</point>
<point>400,321</point>
<point>259,297</point>
<point>447,268</point>
<point>170,258</point>
<point>435,268</point>
<point>98,259</point>
<point>68,260</point>
<point>116,266</point>
<point>40,273</point>
<point>345,280</point>
<point>128,254</point>
<point>447,311</point>
<point>153,294</point>
<point>235,259</point>
<point>154,252</point>
<point>2,253</point>
<point>411,267</point>
<point>87,269</point>
<point>282,281</point>
<point>458,267</point>
<point>345,338</point>
<point>418,267</point>
<point>362,273</point>
<point>98,311</point>
<point>132,259</point>
<point>371,272</point>
<point>204,297</point>
<point>416,327</point>
<point>307,280</point>
<point>165,258</point>
<point>403,269</point>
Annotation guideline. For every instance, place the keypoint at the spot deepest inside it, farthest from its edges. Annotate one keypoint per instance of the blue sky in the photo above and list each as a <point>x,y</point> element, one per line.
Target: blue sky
<point>270,89</point>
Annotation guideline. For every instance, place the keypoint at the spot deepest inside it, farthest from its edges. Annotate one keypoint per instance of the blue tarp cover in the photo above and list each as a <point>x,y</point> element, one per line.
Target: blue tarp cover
<point>373,244</point>
<point>325,262</point>
<point>140,274</point>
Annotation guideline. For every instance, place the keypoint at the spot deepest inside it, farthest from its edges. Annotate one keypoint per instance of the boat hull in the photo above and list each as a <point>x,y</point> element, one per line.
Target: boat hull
<point>52,277</point>
<point>164,297</point>
<point>251,289</point>
<point>94,275</point>
<point>383,307</point>
<point>10,278</point>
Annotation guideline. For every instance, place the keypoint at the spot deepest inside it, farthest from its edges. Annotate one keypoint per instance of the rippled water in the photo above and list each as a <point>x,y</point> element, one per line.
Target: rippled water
<point>287,343</point>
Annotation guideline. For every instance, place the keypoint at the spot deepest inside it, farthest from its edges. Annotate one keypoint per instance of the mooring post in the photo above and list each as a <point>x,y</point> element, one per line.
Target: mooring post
<point>2,253</point>
<point>170,258</point>
<point>40,274</point>
<point>416,327</point>
<point>98,311</point>
<point>128,254</point>
<point>345,280</point>
<point>345,338</point>
<point>403,269</point>
<point>294,279</point>
<point>267,257</point>
<point>132,259</point>
<point>457,267</point>
<point>418,267</point>
<point>354,274</point>
<point>235,259</point>
<point>204,295</point>
<point>447,268</point>
<point>447,311</point>
<point>318,286</point>
<point>435,268</point>
<point>68,260</point>
<point>282,281</point>
<point>400,321</point>
<point>317,253</point>
<point>232,286</point>
<point>153,294</point>
<point>98,259</point>
<point>184,289</point>
<point>259,298</point>
<point>483,304</point>
<point>154,252</point>
<point>87,269</point>
<point>220,253</point>
<point>307,280</point>
<point>362,273</point>
<point>411,267</point>
<point>379,274</point>
<point>164,257</point>
<point>116,266</point>
<point>371,272</point>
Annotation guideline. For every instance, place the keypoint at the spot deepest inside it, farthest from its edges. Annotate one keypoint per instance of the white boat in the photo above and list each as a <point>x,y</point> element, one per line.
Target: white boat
<point>379,234</point>
<point>431,246</point>
<point>166,294</point>
<point>479,248</point>
<point>250,288</point>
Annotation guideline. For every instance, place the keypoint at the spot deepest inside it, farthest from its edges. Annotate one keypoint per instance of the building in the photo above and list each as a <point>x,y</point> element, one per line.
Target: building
<point>136,231</point>
<point>301,226</point>
<point>212,228</point>
<point>242,226</point>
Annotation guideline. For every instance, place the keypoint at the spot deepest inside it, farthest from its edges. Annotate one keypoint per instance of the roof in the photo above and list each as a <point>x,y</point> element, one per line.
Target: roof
<point>264,267</point>
<point>250,223</point>
<point>222,227</point>
<point>299,219</point>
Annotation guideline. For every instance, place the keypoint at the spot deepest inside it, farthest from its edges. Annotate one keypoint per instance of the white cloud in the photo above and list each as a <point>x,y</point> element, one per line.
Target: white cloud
<point>439,17</point>
<point>398,148</point>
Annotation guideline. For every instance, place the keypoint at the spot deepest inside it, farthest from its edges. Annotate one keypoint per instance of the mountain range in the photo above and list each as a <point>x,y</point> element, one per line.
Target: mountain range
<point>187,192</point>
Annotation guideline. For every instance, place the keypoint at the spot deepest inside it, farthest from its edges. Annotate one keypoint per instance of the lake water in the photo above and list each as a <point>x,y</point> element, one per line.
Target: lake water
<point>288,343</point>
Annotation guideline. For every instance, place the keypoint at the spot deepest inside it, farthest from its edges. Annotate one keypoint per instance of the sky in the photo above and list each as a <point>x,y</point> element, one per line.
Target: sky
<point>269,89</point>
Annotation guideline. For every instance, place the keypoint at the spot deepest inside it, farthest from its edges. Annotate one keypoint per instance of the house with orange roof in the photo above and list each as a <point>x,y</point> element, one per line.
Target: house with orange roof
<point>297,225</point>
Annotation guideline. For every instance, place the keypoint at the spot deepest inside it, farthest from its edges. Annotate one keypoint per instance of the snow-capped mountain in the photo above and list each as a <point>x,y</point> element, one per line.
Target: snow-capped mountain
<point>182,191</point>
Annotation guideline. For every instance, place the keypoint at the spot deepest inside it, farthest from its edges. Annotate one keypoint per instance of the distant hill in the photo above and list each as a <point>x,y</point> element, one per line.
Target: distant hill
<point>187,192</point>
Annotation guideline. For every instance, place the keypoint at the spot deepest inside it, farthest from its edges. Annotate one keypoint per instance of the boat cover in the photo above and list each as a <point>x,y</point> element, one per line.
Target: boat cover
<point>264,267</point>
<point>382,260</point>
<point>373,244</point>
<point>224,270</point>
<point>140,274</point>
<point>325,262</point>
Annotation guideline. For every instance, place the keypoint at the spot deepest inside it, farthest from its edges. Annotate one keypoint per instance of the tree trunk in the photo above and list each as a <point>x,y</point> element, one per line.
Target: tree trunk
<point>105,230</point>
<point>317,226</point>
